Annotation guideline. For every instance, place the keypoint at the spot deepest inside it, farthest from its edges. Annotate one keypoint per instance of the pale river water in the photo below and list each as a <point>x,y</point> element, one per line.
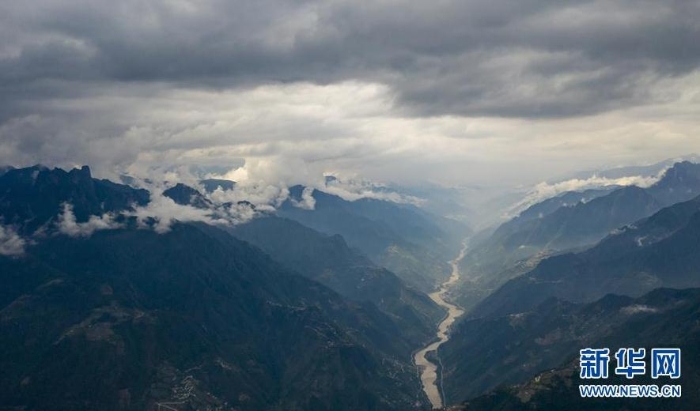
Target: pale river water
<point>428,370</point>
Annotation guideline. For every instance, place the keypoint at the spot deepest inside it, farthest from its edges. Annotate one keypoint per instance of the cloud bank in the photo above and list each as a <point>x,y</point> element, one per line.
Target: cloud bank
<point>460,93</point>
<point>522,58</point>
<point>544,190</point>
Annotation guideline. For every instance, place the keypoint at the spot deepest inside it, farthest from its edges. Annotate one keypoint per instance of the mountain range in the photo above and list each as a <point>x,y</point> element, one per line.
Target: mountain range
<point>517,348</point>
<point>570,222</point>
<point>660,251</point>
<point>188,316</point>
<point>329,260</point>
<point>118,298</point>
<point>32,198</point>
<point>400,237</point>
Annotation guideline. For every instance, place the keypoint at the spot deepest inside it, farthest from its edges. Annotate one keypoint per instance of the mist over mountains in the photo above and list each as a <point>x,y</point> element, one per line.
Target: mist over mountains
<point>632,284</point>
<point>192,297</point>
<point>157,289</point>
<point>570,221</point>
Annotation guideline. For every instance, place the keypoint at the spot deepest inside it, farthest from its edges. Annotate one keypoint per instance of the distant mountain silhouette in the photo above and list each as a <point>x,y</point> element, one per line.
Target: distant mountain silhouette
<point>186,195</point>
<point>411,243</point>
<point>545,229</point>
<point>660,251</point>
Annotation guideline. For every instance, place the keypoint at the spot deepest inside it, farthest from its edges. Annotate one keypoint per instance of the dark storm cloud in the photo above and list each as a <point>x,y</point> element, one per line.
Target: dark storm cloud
<point>511,58</point>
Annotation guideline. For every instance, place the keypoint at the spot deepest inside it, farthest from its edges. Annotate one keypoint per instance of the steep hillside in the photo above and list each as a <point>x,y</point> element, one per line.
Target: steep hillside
<point>660,251</point>
<point>129,319</point>
<point>411,243</point>
<point>330,261</point>
<point>32,197</point>
<point>182,317</point>
<point>545,230</point>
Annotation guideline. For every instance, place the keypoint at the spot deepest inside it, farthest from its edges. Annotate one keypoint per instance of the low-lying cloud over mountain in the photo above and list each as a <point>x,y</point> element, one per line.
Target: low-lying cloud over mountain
<point>10,242</point>
<point>544,190</point>
<point>38,202</point>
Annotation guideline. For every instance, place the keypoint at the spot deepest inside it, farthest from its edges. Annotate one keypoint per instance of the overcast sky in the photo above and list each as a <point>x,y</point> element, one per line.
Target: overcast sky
<point>459,92</point>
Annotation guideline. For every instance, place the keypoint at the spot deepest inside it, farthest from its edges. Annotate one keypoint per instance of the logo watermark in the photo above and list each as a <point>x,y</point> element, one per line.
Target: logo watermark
<point>630,363</point>
<point>630,391</point>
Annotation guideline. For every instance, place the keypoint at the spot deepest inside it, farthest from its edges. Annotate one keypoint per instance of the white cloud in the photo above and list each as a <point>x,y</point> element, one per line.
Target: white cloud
<point>68,225</point>
<point>354,189</point>
<point>307,201</point>
<point>638,309</point>
<point>164,212</point>
<point>544,190</point>
<point>11,244</point>
<point>265,182</point>
<point>264,197</point>
<point>159,214</point>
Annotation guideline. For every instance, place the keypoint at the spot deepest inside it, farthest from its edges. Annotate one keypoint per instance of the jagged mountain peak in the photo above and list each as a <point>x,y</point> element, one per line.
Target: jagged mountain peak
<point>682,175</point>
<point>30,197</point>
<point>212,184</point>
<point>185,195</point>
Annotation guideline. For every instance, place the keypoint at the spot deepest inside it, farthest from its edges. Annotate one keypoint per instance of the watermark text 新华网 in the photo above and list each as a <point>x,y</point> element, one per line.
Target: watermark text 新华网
<point>664,363</point>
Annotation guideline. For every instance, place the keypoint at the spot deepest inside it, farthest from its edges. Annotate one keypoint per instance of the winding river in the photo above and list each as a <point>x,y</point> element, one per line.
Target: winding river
<point>428,369</point>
